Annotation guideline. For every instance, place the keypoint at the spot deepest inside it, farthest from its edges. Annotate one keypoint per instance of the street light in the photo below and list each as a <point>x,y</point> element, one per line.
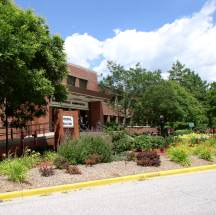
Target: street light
<point>162,123</point>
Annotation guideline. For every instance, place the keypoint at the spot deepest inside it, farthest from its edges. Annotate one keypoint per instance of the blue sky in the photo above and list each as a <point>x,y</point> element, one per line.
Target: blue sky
<point>100,17</point>
<point>154,33</point>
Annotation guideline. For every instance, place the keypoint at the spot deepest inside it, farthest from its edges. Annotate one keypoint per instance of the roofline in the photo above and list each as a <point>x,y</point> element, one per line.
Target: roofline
<point>81,67</point>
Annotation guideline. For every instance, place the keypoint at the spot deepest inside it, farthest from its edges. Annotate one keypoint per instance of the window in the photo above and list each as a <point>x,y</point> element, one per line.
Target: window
<point>71,80</point>
<point>83,83</point>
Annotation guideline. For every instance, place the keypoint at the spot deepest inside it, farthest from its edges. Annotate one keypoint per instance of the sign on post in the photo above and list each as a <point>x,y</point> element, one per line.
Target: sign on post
<point>191,124</point>
<point>68,122</point>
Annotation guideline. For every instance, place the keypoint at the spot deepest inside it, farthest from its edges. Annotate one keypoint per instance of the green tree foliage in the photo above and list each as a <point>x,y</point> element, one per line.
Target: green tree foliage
<point>212,104</point>
<point>189,80</point>
<point>169,99</point>
<point>127,85</point>
<point>32,64</point>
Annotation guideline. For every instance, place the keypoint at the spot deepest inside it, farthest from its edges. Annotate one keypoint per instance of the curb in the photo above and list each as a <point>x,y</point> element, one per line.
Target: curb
<point>88,184</point>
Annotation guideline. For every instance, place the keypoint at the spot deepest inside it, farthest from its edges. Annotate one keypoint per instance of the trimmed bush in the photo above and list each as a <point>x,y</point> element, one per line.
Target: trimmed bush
<point>142,142</point>
<point>145,142</point>
<point>179,155</point>
<point>148,158</point>
<point>76,152</point>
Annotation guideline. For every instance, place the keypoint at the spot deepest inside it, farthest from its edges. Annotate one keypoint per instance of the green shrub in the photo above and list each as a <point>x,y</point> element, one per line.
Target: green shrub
<point>169,140</point>
<point>30,158</point>
<point>112,126</point>
<point>50,156</point>
<point>78,151</point>
<point>14,169</point>
<point>194,140</point>
<point>157,142</point>
<point>142,142</point>
<point>145,142</point>
<point>123,143</point>
<point>203,152</point>
<point>179,155</point>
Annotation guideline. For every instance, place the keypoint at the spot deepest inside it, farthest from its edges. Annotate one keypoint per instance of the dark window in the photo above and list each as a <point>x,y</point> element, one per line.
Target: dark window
<point>83,83</point>
<point>71,80</point>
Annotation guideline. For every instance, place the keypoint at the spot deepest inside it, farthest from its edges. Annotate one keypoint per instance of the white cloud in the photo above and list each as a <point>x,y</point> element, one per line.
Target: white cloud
<point>192,40</point>
<point>82,49</point>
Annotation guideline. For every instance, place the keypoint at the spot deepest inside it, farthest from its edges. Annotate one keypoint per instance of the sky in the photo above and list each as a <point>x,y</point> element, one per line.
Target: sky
<point>152,32</point>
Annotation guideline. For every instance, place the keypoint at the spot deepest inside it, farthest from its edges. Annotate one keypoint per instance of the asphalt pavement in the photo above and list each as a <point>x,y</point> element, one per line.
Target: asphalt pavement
<point>193,194</point>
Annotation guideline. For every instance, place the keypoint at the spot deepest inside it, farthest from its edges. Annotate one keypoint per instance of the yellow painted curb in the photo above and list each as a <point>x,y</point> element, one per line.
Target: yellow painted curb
<point>70,187</point>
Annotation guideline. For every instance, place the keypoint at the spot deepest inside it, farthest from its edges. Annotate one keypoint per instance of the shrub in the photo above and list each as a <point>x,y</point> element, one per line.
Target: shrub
<point>169,140</point>
<point>93,159</point>
<point>203,152</point>
<point>194,140</point>
<point>61,162</point>
<point>142,142</point>
<point>31,158</point>
<point>112,126</point>
<point>46,170</point>
<point>179,155</point>
<point>148,158</point>
<point>157,142</point>
<point>145,142</point>
<point>78,151</point>
<point>123,143</point>
<point>72,170</point>
<point>50,156</point>
<point>14,169</point>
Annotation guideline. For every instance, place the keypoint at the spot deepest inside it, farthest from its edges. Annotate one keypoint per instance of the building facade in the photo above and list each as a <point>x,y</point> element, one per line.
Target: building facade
<point>86,97</point>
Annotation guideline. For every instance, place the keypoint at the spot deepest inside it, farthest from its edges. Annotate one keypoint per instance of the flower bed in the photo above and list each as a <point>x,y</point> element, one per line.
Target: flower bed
<point>90,158</point>
<point>98,171</point>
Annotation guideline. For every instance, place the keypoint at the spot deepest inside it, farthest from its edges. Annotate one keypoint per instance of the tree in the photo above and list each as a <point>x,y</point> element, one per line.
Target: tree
<point>127,85</point>
<point>119,84</point>
<point>212,105</point>
<point>189,80</point>
<point>32,65</point>
<point>169,99</point>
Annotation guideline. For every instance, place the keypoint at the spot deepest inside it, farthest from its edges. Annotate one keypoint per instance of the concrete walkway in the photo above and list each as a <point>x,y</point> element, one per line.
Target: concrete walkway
<point>181,194</point>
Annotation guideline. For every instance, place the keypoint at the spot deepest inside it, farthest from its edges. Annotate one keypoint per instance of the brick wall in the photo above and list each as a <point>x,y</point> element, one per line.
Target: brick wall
<point>86,74</point>
<point>95,113</point>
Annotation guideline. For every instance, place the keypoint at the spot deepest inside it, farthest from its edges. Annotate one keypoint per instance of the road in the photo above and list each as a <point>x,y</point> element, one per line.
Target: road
<point>180,194</point>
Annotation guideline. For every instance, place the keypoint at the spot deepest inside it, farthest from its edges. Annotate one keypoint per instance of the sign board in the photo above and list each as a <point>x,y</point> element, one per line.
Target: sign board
<point>191,124</point>
<point>68,122</point>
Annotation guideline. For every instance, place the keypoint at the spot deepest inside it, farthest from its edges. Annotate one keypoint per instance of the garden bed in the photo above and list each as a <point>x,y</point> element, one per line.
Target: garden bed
<point>98,171</point>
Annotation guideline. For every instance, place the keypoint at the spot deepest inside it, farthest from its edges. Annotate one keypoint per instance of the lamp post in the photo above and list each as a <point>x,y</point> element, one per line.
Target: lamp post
<point>162,123</point>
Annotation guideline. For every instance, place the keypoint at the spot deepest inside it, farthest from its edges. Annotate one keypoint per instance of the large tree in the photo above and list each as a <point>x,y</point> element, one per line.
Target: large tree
<point>169,99</point>
<point>212,105</point>
<point>32,65</point>
<point>128,85</point>
<point>190,80</point>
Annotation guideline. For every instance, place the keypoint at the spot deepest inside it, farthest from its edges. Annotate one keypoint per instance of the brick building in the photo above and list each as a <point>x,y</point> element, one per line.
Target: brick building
<point>86,97</point>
